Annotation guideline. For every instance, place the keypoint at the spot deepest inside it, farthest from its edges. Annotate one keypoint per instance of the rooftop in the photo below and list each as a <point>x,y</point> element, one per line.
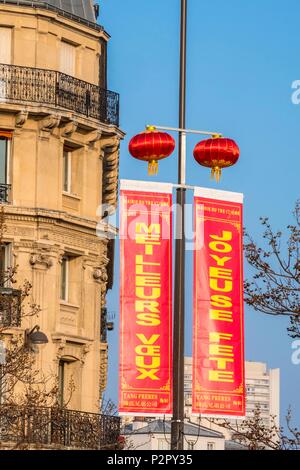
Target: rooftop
<point>82,8</point>
<point>159,426</point>
<point>78,10</point>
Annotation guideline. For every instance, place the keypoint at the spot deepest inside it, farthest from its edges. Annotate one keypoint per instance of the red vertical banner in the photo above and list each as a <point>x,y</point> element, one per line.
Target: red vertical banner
<point>146,299</point>
<point>218,336</point>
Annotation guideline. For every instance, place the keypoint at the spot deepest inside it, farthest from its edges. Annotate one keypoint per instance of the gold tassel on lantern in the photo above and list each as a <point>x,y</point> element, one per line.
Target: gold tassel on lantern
<point>216,173</point>
<point>152,167</point>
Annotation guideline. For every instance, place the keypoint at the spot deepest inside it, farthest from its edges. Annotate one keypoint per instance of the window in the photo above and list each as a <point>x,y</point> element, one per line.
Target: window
<point>2,371</point>
<point>191,445</point>
<point>5,264</point>
<point>5,138</point>
<point>69,372</point>
<point>210,446</point>
<point>70,279</point>
<point>163,444</point>
<point>67,58</point>
<point>67,171</point>
<point>61,381</point>
<point>64,279</point>
<point>72,170</point>
<point>5,45</point>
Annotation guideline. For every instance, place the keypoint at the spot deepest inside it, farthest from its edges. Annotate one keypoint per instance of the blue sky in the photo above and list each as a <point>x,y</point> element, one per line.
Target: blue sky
<point>242,60</point>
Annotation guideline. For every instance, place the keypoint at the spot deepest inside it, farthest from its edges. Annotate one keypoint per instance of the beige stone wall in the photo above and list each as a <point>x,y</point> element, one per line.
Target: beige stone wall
<point>37,35</point>
<point>43,222</point>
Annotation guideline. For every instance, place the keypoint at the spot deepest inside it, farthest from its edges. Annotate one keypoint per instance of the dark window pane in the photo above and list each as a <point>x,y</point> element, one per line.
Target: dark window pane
<point>3,161</point>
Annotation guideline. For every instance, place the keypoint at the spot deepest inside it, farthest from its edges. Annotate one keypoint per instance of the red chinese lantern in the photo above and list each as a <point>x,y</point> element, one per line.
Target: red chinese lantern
<point>151,146</point>
<point>216,153</point>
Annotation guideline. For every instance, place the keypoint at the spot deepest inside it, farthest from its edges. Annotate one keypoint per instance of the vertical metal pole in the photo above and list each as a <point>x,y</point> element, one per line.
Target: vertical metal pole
<point>177,428</point>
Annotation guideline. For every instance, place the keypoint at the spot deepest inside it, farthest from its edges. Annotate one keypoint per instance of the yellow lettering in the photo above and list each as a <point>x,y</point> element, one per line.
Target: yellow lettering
<point>221,273</point>
<point>221,261</point>
<point>226,236</point>
<point>221,247</point>
<point>148,319</point>
<point>221,362</point>
<point>220,350</point>
<point>221,315</point>
<point>144,340</point>
<point>151,306</point>
<point>149,281</point>
<point>216,337</point>
<point>147,350</point>
<point>220,376</point>
<point>221,301</point>
<point>155,362</point>
<point>148,374</point>
<point>140,292</point>
<point>215,285</point>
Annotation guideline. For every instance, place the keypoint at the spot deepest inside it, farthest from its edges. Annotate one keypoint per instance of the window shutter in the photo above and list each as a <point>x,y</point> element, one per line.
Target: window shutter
<point>67,58</point>
<point>5,45</point>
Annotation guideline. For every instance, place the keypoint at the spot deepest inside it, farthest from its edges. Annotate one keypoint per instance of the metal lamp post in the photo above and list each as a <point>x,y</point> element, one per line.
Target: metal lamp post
<point>177,426</point>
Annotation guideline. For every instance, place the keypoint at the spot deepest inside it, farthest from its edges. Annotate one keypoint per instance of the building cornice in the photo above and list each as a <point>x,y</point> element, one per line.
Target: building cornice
<point>54,217</point>
<point>51,10</point>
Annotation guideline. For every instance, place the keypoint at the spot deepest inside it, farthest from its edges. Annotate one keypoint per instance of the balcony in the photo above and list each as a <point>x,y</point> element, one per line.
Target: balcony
<point>58,90</point>
<point>4,192</point>
<point>56,428</point>
<point>10,307</point>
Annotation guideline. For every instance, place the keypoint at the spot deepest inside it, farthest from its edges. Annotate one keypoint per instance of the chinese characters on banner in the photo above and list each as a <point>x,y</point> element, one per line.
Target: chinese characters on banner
<point>146,299</point>
<point>218,336</point>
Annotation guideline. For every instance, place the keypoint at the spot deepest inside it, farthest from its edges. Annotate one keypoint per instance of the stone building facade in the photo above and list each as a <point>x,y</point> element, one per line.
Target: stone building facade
<point>59,158</point>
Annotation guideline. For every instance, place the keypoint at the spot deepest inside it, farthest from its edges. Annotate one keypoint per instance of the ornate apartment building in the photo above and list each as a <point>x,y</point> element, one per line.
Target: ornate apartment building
<point>59,155</point>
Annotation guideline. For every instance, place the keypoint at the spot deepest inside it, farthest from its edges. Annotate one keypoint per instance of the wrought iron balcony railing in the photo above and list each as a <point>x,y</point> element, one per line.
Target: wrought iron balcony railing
<point>58,428</point>
<point>57,89</point>
<point>10,306</point>
<point>4,192</point>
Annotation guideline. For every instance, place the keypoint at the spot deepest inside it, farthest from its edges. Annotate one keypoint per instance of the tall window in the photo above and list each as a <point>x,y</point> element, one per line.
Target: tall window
<point>4,156</point>
<point>64,279</point>
<point>5,263</point>
<point>191,445</point>
<point>61,381</point>
<point>67,171</point>
<point>67,58</point>
<point>5,45</point>
<point>72,170</point>
<point>163,444</point>
<point>210,446</point>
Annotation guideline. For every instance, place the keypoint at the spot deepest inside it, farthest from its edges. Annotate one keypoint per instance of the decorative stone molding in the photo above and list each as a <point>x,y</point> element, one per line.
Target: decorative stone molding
<point>69,129</point>
<point>61,344</point>
<point>61,254</point>
<point>21,118</point>
<point>94,137</point>
<point>41,259</point>
<point>100,274</point>
<point>85,349</point>
<point>112,142</point>
<point>103,369</point>
<point>110,149</point>
<point>50,122</point>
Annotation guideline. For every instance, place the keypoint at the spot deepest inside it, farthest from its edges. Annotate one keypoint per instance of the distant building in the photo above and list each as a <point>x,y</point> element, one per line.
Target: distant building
<point>156,435</point>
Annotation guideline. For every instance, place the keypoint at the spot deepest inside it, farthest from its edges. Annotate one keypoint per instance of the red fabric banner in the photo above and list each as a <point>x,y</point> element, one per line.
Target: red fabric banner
<point>218,337</point>
<point>146,303</point>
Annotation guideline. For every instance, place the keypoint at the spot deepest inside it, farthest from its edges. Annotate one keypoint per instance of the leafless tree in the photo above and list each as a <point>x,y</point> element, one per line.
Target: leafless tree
<point>23,386</point>
<point>275,285</point>
<point>255,434</point>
